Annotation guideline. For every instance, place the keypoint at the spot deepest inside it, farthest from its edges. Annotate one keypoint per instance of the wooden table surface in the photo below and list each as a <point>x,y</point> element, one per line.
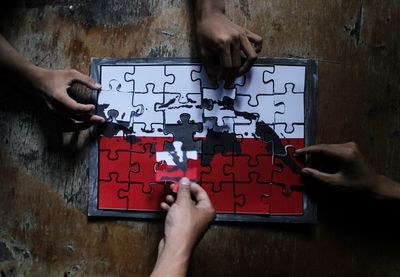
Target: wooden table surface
<point>44,229</point>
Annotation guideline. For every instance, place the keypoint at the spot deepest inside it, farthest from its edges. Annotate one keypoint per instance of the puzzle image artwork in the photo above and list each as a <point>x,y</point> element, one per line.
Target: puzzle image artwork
<point>168,120</point>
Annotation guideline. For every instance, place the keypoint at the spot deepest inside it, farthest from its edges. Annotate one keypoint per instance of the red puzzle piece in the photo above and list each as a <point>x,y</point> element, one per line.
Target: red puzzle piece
<point>120,165</point>
<point>257,197</point>
<point>139,199</point>
<point>108,194</point>
<point>216,169</point>
<point>223,196</point>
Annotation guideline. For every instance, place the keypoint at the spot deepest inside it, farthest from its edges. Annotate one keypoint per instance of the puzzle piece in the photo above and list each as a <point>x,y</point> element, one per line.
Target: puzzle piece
<point>265,111</point>
<point>108,194</point>
<point>294,109</point>
<point>282,204</point>
<point>140,198</point>
<point>218,103</point>
<point>254,84</point>
<point>205,81</point>
<point>183,81</point>
<point>288,176</point>
<point>257,196</point>
<point>120,165</point>
<point>145,162</point>
<point>281,130</point>
<point>184,132</point>
<point>244,166</point>
<point>223,196</point>
<point>173,107</point>
<point>115,105</point>
<point>144,75</point>
<point>281,75</point>
<point>149,116</point>
<point>110,73</point>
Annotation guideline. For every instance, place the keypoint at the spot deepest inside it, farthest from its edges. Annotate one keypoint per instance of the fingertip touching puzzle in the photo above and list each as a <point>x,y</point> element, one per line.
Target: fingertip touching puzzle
<point>165,119</point>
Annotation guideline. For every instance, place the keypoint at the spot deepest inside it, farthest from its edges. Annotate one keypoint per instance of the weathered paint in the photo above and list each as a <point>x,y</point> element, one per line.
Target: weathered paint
<point>43,186</point>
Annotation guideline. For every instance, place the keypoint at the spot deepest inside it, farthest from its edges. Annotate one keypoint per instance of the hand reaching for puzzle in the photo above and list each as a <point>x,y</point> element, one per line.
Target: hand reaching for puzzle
<point>343,166</point>
<point>185,223</point>
<point>51,84</point>
<point>52,87</point>
<point>223,44</point>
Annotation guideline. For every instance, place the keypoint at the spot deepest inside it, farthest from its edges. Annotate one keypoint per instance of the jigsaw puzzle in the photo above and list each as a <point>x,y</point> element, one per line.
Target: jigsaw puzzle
<point>166,120</point>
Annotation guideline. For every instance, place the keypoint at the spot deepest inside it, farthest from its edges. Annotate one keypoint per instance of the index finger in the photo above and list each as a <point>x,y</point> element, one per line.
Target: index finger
<point>251,55</point>
<point>200,195</point>
<point>332,150</point>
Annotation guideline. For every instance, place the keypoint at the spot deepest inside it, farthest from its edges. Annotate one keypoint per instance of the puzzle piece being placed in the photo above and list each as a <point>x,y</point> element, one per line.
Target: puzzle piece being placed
<point>288,176</point>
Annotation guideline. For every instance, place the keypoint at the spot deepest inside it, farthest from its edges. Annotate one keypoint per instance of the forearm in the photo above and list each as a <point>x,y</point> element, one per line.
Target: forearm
<point>173,261</point>
<point>205,7</point>
<point>14,67</point>
<point>386,188</point>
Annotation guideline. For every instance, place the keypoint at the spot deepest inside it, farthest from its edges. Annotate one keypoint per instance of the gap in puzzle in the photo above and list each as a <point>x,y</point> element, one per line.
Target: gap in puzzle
<point>166,121</point>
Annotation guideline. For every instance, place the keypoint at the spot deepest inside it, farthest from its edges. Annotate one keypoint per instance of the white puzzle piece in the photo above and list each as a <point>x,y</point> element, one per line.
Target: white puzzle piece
<point>281,75</point>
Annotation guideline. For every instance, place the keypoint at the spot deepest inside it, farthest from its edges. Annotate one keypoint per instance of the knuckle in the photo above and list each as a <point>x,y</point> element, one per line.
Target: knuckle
<point>252,57</point>
<point>352,150</point>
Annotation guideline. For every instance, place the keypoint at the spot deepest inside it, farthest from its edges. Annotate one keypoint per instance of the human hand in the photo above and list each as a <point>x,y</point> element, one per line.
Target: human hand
<point>187,219</point>
<point>52,86</point>
<point>185,223</point>
<point>222,45</point>
<point>340,165</point>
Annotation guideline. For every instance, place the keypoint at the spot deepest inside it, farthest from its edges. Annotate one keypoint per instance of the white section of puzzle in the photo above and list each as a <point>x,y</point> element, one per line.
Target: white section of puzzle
<point>147,96</point>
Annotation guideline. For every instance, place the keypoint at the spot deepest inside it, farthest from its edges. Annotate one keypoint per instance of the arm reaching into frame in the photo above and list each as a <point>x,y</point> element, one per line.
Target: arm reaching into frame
<point>226,49</point>
<point>50,85</point>
<point>351,171</point>
<point>186,222</point>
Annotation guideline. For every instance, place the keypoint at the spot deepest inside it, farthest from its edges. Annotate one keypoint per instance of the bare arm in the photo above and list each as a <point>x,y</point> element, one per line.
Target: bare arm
<point>186,222</point>
<point>226,49</point>
<point>50,85</point>
<point>351,170</point>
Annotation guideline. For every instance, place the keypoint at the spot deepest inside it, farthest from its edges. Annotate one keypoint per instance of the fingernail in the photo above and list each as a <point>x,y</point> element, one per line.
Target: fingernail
<point>97,86</point>
<point>184,181</point>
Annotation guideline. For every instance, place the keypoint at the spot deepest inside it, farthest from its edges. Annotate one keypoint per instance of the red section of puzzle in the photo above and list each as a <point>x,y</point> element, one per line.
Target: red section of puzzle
<point>250,180</point>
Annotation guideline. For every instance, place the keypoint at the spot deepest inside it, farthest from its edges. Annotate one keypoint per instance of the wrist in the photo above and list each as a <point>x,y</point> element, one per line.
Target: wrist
<point>205,8</point>
<point>172,261</point>
<point>386,188</point>
<point>179,248</point>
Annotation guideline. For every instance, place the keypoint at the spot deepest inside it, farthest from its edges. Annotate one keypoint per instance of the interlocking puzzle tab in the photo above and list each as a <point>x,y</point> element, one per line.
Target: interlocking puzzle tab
<point>166,121</point>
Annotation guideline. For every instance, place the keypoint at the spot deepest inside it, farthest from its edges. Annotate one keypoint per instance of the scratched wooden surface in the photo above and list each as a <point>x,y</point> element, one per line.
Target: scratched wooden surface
<point>44,230</point>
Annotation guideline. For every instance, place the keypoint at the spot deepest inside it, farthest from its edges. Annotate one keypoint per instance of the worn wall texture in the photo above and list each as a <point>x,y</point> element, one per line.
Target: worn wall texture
<point>44,230</point>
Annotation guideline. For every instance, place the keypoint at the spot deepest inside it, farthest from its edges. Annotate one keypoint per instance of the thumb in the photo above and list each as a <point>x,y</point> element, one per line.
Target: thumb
<point>183,190</point>
<point>327,178</point>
